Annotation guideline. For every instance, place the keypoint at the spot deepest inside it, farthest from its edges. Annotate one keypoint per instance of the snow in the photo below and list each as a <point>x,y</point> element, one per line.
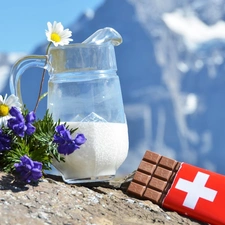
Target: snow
<point>4,71</point>
<point>193,30</point>
<point>191,104</point>
<point>6,62</point>
<point>90,13</point>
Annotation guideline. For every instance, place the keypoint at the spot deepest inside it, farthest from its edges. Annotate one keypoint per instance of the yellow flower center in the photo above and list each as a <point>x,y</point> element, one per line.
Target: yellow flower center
<point>4,110</point>
<point>55,37</point>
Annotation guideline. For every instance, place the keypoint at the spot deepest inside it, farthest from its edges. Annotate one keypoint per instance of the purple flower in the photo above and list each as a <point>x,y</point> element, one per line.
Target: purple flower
<point>19,125</point>
<point>5,141</point>
<point>16,123</point>
<point>28,169</point>
<point>67,145</point>
<point>80,139</point>
<point>30,118</point>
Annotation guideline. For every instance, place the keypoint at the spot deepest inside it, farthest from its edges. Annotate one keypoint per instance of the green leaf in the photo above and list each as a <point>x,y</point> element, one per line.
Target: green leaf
<point>12,156</point>
<point>39,146</point>
<point>43,96</point>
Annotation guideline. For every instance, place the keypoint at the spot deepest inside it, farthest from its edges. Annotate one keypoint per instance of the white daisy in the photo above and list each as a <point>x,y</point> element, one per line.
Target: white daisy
<point>5,106</point>
<point>57,35</point>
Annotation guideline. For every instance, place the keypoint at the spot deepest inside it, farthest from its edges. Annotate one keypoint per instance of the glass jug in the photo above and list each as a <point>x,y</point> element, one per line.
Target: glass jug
<point>84,91</point>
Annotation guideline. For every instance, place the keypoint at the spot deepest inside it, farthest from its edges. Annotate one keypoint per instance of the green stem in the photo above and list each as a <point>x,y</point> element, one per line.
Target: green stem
<point>42,82</point>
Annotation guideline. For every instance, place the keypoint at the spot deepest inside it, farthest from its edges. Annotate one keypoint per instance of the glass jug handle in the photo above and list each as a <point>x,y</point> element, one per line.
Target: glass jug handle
<point>19,68</point>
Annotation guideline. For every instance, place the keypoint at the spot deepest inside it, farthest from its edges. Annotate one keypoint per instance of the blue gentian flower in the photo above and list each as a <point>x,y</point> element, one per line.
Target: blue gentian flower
<point>28,169</point>
<point>67,145</point>
<point>80,139</point>
<point>16,123</point>
<point>19,125</point>
<point>30,118</point>
<point>5,141</point>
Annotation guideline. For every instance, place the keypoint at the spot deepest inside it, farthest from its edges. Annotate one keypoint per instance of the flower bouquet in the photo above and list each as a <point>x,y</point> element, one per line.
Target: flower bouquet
<point>27,145</point>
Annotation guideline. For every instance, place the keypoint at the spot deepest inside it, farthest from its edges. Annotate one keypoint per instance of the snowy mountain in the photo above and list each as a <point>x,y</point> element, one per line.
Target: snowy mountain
<point>6,62</point>
<point>171,68</point>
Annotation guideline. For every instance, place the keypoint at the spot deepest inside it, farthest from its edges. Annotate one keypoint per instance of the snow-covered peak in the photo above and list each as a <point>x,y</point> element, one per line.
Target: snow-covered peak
<point>194,31</point>
<point>6,62</point>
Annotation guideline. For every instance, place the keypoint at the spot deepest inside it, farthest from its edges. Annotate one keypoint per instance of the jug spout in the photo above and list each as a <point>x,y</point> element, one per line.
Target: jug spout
<point>104,35</point>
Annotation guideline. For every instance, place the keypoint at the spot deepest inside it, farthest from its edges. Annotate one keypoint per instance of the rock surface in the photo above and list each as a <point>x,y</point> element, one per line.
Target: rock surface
<point>54,202</point>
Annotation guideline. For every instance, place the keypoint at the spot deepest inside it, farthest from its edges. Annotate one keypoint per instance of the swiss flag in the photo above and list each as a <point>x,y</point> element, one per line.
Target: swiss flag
<point>198,193</point>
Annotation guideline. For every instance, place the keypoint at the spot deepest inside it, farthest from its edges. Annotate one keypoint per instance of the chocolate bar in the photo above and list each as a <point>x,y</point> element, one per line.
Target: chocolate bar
<point>153,177</point>
<point>181,187</point>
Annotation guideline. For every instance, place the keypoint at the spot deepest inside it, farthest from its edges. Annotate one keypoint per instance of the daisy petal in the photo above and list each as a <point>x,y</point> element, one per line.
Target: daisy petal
<point>5,105</point>
<point>58,29</point>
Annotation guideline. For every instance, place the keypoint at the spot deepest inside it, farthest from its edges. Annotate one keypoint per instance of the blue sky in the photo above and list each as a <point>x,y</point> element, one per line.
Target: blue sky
<point>23,23</point>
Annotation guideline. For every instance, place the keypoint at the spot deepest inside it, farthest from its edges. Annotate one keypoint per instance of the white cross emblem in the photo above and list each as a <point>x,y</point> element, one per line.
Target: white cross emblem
<point>196,190</point>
